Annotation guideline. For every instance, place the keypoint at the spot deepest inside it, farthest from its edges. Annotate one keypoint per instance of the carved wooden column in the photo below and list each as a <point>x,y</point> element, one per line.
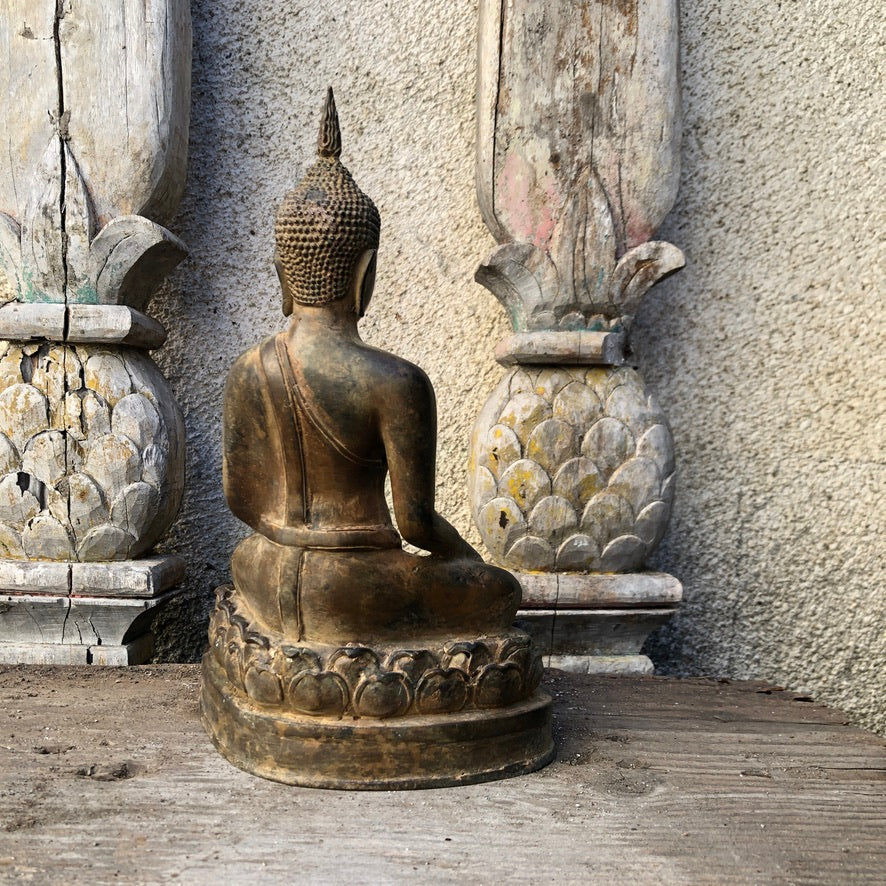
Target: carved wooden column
<point>92,158</point>
<point>572,467</point>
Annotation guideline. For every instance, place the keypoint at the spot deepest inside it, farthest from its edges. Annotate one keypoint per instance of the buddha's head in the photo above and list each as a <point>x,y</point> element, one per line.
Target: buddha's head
<point>327,231</point>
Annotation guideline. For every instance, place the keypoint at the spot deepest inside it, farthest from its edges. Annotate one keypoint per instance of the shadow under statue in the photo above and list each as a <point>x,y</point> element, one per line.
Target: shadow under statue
<point>337,659</point>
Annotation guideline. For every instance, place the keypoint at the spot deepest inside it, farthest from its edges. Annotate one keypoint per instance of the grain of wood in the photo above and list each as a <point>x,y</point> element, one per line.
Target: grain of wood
<point>561,85</point>
<point>20,322</point>
<point>131,148</point>
<point>107,775</point>
<point>27,68</point>
<point>598,590</point>
<point>566,347</point>
<point>93,154</point>
<point>146,577</point>
<point>119,324</point>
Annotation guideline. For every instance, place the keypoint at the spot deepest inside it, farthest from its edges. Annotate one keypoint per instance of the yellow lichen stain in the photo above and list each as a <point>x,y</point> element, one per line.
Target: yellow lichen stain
<point>517,485</point>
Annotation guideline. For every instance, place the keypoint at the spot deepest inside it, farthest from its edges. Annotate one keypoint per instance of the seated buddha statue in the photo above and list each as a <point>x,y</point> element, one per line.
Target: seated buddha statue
<point>314,420</point>
<point>328,614</point>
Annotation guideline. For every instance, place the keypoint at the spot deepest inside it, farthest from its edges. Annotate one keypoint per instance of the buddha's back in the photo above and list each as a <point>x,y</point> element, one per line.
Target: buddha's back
<point>300,466</point>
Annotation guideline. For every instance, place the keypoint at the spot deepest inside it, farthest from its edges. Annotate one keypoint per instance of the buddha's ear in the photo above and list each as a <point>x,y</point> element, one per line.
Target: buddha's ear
<point>364,281</point>
<point>284,287</point>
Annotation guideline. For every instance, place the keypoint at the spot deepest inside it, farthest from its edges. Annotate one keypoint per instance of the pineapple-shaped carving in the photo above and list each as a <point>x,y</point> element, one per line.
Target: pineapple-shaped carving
<point>572,466</point>
<point>572,470</point>
<point>90,452</point>
<point>577,165</point>
<point>91,439</point>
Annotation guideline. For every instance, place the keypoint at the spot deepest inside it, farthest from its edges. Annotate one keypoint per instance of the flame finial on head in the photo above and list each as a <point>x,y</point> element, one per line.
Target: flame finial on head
<point>329,140</point>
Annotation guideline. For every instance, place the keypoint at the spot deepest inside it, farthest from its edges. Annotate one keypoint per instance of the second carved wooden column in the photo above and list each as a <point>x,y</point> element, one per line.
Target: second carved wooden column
<point>572,464</point>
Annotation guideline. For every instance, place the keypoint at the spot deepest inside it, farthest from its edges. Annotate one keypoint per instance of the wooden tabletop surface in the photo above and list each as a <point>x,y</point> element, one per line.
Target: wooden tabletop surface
<point>106,776</point>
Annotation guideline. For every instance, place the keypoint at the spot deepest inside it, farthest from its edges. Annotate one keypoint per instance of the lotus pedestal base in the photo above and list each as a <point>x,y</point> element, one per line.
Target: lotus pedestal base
<point>418,751</point>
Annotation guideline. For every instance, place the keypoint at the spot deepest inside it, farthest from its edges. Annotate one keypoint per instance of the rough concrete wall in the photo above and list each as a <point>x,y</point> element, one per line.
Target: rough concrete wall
<point>768,351</point>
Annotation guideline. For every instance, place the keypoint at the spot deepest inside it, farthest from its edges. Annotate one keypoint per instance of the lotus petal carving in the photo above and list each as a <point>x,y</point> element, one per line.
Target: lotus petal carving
<point>90,452</point>
<point>587,490</point>
<point>578,280</point>
<point>359,681</point>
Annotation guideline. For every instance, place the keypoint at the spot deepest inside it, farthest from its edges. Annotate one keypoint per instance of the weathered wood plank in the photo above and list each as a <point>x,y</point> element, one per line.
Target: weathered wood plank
<point>44,618</point>
<point>566,347</point>
<point>34,576</point>
<point>21,322</point>
<point>73,141</point>
<point>27,68</point>
<point>129,103</point>
<point>565,86</point>
<point>656,782</point>
<point>148,577</point>
<point>136,652</point>
<point>598,590</point>
<point>591,631</point>
<point>118,324</point>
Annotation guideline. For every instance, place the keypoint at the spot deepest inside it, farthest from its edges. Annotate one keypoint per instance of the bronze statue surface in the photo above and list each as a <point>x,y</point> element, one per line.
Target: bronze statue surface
<point>337,658</point>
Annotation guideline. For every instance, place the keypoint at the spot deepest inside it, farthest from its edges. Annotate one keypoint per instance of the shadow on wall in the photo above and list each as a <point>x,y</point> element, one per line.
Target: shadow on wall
<point>211,311</point>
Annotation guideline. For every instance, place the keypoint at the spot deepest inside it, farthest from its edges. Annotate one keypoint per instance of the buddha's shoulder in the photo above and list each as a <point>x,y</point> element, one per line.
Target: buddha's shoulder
<point>248,366</point>
<point>392,373</point>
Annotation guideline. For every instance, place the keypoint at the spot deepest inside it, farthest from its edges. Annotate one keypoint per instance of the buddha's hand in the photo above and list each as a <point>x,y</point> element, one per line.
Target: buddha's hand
<point>447,543</point>
<point>472,553</point>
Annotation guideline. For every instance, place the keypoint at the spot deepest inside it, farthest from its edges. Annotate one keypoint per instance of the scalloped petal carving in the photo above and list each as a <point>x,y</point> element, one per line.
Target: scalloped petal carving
<point>10,258</point>
<point>50,259</point>
<point>130,257</point>
<point>79,226</point>
<point>638,271</point>
<point>42,255</point>
<point>575,282</point>
<point>523,278</point>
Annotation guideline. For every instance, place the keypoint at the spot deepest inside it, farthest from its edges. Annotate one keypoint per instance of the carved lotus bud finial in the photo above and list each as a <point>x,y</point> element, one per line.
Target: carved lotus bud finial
<point>578,164</point>
<point>329,140</point>
<point>121,264</point>
<point>578,280</point>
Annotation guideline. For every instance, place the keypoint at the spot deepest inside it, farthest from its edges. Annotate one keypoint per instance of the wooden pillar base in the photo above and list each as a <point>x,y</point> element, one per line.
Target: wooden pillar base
<point>418,751</point>
<point>83,613</point>
<point>596,623</point>
<point>139,651</point>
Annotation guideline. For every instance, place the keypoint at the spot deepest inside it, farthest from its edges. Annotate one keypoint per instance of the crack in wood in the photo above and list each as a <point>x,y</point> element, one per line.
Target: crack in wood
<point>62,130</point>
<point>493,156</point>
<point>64,117</point>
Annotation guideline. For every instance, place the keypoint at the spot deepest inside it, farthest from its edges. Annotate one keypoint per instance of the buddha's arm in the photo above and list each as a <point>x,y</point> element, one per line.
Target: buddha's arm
<point>408,422</point>
<point>250,449</point>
